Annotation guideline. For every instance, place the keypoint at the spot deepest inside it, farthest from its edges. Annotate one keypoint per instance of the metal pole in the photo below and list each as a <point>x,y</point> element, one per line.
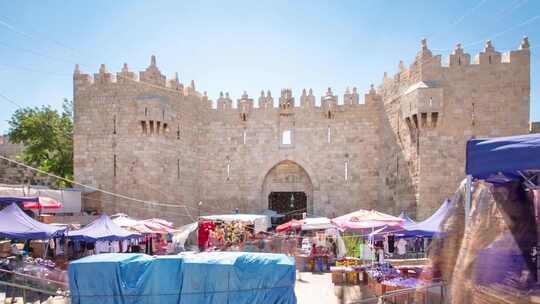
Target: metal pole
<point>468,198</point>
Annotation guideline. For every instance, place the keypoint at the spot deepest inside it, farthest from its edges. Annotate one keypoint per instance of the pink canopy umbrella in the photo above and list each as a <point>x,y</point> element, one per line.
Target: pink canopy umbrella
<point>158,226</point>
<point>43,203</point>
<point>366,219</point>
<point>290,225</point>
<point>141,228</point>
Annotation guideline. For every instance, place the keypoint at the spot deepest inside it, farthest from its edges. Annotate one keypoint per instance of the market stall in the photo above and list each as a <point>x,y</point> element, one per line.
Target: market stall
<point>259,222</point>
<point>357,226</point>
<point>233,232</point>
<point>31,256</point>
<point>15,224</point>
<point>411,239</point>
<point>319,240</point>
<point>102,236</point>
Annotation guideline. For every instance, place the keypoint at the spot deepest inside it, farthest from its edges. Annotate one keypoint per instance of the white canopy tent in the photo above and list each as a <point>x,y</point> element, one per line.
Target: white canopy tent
<point>317,223</point>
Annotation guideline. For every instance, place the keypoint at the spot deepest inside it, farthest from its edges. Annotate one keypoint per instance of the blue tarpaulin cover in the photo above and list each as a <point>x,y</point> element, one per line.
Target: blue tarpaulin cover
<point>507,155</point>
<point>15,224</point>
<point>102,229</point>
<point>209,278</point>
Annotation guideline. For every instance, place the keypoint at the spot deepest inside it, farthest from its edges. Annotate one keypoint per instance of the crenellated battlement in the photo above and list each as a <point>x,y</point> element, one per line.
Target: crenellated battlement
<point>151,77</point>
<point>286,105</point>
<point>429,67</point>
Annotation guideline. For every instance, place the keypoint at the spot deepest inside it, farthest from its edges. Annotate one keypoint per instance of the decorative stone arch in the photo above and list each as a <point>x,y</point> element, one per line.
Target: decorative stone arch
<point>311,187</point>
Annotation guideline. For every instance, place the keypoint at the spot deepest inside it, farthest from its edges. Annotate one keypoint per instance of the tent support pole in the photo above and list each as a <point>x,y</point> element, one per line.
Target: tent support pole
<point>468,198</point>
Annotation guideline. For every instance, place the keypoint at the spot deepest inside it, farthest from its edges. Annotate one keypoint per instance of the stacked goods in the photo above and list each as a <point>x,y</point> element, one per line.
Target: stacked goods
<point>46,218</point>
<point>5,249</point>
<point>347,270</point>
<point>382,272</point>
<point>379,273</point>
<point>39,248</point>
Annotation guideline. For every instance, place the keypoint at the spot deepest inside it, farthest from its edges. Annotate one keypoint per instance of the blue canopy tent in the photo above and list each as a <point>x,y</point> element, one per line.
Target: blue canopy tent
<point>7,200</point>
<point>15,224</point>
<point>102,229</point>
<point>500,159</point>
<point>407,218</point>
<point>430,226</point>
<point>507,155</point>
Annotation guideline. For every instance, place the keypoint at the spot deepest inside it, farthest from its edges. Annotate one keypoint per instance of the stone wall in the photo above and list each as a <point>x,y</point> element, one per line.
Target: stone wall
<point>14,174</point>
<point>534,127</point>
<point>164,148</point>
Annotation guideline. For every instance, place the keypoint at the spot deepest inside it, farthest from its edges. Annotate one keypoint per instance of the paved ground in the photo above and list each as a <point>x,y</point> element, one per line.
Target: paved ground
<point>318,288</point>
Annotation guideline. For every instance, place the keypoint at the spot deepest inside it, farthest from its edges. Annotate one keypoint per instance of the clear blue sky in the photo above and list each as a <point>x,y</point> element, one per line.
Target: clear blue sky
<point>249,45</point>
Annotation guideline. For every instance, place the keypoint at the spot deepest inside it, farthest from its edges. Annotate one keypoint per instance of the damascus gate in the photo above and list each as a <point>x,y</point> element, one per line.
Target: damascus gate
<point>395,146</point>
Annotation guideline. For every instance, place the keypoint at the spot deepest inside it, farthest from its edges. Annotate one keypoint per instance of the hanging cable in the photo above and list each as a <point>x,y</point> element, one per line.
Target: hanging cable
<point>10,100</point>
<point>91,187</point>
<point>461,18</point>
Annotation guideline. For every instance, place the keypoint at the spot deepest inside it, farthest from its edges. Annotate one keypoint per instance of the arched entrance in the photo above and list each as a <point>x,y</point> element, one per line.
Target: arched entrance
<point>287,189</point>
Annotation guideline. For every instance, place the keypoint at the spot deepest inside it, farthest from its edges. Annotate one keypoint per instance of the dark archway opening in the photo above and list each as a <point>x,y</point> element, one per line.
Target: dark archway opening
<point>289,204</point>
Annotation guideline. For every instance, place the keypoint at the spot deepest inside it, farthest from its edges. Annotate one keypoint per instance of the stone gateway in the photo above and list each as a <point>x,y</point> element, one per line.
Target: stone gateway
<point>400,147</point>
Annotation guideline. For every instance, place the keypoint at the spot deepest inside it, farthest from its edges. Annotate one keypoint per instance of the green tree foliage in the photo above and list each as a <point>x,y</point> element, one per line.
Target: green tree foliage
<point>47,136</point>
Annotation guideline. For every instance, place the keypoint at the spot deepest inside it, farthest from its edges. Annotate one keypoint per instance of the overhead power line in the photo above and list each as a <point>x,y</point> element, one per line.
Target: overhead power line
<point>510,9</point>
<point>10,100</point>
<point>459,19</point>
<point>493,36</point>
<point>526,22</point>
<point>24,68</point>
<point>13,29</point>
